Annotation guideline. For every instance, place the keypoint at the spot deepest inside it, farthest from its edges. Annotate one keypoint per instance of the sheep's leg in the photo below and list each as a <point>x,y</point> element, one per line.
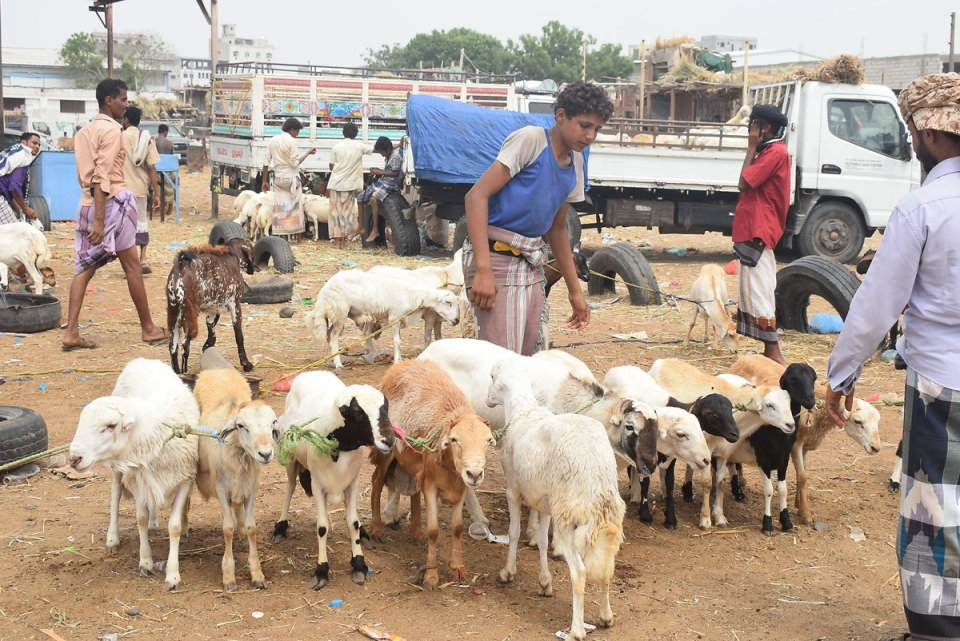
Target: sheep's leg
<point>113,530</point>
<point>691,325</point>
<point>212,320</point>
<point>543,542</point>
<point>377,481</point>
<point>415,532</point>
<point>718,518</point>
<point>738,483</point>
<point>578,583</point>
<point>706,480</point>
<point>4,276</point>
<point>644,491</point>
<point>396,343</point>
<point>227,564</point>
<point>321,576</point>
<point>175,328</point>
<point>666,485</point>
<point>458,570</point>
<point>143,520</point>
<point>280,527</point>
<point>185,354</point>
<point>391,513</point>
<point>800,498</point>
<point>184,521</point>
<point>894,483</point>
<point>437,330</point>
<point>237,314</point>
<point>333,336</point>
<point>706,331</point>
<point>687,488</point>
<point>431,577</point>
<point>428,331</point>
<point>34,274</point>
<point>239,519</point>
<point>358,567</point>
<point>250,523</point>
<point>509,572</point>
<point>785,523</point>
<point>473,507</point>
<point>174,526</point>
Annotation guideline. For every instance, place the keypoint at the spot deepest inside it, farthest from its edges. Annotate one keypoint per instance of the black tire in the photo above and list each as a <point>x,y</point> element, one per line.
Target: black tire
<point>276,248</point>
<point>274,289</point>
<point>573,226</point>
<point>406,235</point>
<point>23,433</point>
<point>225,230</point>
<point>28,313</point>
<point>39,204</point>
<point>459,234</point>
<point>812,276</point>
<point>631,266</point>
<point>833,230</point>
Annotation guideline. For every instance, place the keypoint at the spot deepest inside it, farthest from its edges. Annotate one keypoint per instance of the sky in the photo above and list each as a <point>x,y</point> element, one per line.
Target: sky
<point>339,34</point>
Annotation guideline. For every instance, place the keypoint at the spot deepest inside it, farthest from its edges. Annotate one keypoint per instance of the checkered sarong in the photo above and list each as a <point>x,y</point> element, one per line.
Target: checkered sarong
<point>7,215</point>
<point>928,547</point>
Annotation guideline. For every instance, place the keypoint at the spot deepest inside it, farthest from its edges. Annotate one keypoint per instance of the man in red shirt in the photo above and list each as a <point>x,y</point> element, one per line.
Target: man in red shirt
<point>758,224</point>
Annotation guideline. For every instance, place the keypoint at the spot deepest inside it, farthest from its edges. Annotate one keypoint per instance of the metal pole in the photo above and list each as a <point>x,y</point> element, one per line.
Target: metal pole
<point>643,77</point>
<point>109,20</point>
<point>462,76</point>
<point>214,56</point>
<point>953,25</point>
<point>746,72</point>
<point>583,72</point>
<point>2,110</point>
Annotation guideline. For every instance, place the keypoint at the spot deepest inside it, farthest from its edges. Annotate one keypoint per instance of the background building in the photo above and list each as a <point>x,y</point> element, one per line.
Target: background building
<point>235,49</point>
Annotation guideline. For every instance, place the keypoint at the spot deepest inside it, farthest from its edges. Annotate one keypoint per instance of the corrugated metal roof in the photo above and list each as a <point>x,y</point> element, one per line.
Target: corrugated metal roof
<point>773,58</point>
<point>28,56</point>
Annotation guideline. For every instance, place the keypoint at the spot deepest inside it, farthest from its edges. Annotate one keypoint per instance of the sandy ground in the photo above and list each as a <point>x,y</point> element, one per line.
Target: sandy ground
<point>734,584</point>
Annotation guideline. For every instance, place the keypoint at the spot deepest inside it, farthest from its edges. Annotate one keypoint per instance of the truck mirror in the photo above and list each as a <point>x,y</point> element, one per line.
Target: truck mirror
<point>905,146</point>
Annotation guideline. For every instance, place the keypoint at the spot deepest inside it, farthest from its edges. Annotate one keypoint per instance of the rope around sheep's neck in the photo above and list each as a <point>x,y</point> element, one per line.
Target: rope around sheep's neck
<point>498,434</point>
<point>288,442</point>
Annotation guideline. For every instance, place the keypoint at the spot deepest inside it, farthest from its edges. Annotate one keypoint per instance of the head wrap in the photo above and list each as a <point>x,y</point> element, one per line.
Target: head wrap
<point>770,113</point>
<point>933,102</point>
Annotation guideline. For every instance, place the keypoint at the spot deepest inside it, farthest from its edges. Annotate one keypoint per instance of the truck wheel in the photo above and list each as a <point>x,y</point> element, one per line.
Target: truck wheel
<point>28,313</point>
<point>832,230</point>
<point>626,262</point>
<point>459,234</point>
<point>39,204</point>
<point>812,276</point>
<point>276,248</point>
<point>406,235</point>
<point>573,226</point>
<point>223,231</point>
<point>23,433</point>
<point>274,289</point>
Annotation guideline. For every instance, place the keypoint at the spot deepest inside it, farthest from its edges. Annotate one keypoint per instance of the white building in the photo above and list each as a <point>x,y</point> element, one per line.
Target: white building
<point>726,44</point>
<point>194,72</point>
<point>235,49</point>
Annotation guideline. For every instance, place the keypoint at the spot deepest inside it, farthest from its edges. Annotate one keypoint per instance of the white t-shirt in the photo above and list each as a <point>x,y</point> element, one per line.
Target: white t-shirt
<point>347,160</point>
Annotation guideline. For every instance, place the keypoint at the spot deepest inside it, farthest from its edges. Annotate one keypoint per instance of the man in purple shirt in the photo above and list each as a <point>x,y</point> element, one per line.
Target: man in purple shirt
<point>15,162</point>
<point>918,267</point>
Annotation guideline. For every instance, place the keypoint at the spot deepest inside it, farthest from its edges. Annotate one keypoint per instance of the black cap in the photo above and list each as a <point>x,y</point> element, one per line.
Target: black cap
<point>769,113</point>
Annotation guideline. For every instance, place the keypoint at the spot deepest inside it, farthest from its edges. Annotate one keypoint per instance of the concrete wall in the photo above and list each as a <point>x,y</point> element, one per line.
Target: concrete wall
<point>896,72</point>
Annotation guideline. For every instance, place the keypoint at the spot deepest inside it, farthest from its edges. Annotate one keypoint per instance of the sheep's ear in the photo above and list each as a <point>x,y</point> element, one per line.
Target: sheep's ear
<point>662,433</point>
<point>444,444</point>
<point>846,413</point>
<point>616,419</point>
<point>128,416</point>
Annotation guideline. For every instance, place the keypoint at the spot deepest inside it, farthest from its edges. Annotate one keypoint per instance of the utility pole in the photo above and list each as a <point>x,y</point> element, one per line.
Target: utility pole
<point>108,17</point>
<point>211,18</point>
<point>643,77</point>
<point>462,77</point>
<point>953,32</point>
<point>746,72</point>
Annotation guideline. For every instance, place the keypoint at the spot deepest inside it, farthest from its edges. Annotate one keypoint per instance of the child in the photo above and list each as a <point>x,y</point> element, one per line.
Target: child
<point>521,197</point>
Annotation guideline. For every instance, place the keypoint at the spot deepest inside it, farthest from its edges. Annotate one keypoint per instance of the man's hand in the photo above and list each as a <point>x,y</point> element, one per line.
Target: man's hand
<point>832,400</point>
<point>312,151</point>
<point>753,138</point>
<point>95,235</point>
<point>264,186</point>
<point>156,202</point>
<point>580,311</point>
<point>30,212</point>
<point>483,293</point>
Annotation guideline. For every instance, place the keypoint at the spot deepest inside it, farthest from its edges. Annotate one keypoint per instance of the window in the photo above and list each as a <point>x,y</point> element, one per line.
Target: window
<point>871,125</point>
<point>72,106</point>
<point>269,56</point>
<point>15,104</point>
<point>258,55</point>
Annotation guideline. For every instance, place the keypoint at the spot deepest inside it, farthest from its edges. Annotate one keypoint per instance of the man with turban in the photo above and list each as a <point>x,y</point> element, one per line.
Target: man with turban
<point>918,266</point>
<point>758,224</point>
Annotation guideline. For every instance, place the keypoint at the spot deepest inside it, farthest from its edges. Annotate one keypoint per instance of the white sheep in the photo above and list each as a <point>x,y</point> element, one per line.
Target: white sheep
<point>23,244</point>
<point>709,295</point>
<point>563,467</point>
<point>229,467</point>
<point>246,210</point>
<point>354,416</point>
<point>261,219</point>
<point>129,433</point>
<point>372,302</point>
<point>317,210</point>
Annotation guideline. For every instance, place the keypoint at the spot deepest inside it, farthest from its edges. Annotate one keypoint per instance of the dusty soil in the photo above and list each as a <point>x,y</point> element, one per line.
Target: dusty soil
<point>735,584</point>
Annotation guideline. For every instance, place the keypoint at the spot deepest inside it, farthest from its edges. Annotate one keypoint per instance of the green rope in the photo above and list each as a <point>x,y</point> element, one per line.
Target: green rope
<point>181,430</point>
<point>288,442</point>
<point>33,457</point>
<point>498,434</point>
<point>427,442</point>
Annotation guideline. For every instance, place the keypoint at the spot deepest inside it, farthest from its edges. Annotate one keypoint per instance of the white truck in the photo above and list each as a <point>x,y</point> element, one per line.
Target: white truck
<point>851,156</point>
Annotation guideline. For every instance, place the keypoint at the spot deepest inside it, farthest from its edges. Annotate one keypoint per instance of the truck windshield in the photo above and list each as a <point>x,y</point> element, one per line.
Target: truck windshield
<point>871,125</point>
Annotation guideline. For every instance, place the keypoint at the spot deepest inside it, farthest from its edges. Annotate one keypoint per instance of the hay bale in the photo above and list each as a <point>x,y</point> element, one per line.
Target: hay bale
<point>686,71</point>
<point>845,69</point>
<point>669,43</point>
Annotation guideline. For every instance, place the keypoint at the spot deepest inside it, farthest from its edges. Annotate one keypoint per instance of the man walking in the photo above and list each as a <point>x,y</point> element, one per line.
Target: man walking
<point>140,174</point>
<point>165,146</point>
<point>107,220</point>
<point>15,163</point>
<point>346,181</point>
<point>916,267</point>
<point>287,189</point>
<point>758,224</point>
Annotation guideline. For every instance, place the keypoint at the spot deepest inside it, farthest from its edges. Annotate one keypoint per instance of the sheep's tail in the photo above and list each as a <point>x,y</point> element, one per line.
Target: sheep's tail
<point>185,256</point>
<point>597,543</point>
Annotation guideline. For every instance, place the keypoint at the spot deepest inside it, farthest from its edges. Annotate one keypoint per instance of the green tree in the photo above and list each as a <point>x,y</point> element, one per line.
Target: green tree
<point>608,63</point>
<point>441,49</point>
<point>137,56</point>
<point>84,56</point>
<point>557,53</point>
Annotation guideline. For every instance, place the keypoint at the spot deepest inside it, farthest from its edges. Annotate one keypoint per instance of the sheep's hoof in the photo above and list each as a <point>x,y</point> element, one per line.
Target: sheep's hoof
<point>556,555</point>
<point>259,583</point>
<point>507,576</point>
<point>417,535</point>
<point>321,576</point>
<point>172,581</point>
<point>546,587</point>
<point>113,547</point>
<point>893,486</point>
<point>359,570</point>
<point>376,533</point>
<point>247,367</point>
<point>767,527</point>
<point>146,568</point>
<point>687,491</point>
<point>737,490</point>
<point>785,523</point>
<point>431,578</point>
<point>670,523</point>
<point>457,575</point>
<point>280,530</point>
<point>720,522</point>
<point>229,586</point>
<point>606,620</point>
<point>646,516</point>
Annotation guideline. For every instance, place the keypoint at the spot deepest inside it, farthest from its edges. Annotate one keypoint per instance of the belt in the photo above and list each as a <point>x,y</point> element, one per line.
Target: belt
<point>499,247</point>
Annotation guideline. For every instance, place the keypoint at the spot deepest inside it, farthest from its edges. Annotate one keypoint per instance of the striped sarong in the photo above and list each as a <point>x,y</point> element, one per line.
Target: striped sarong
<point>341,222</point>
<point>928,547</point>
<point>520,310</point>
<point>119,231</point>
<point>756,309</point>
<point>143,222</point>
<point>288,216</point>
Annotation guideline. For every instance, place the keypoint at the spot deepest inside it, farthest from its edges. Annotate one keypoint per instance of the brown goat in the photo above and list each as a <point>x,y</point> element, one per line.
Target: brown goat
<point>209,280</point>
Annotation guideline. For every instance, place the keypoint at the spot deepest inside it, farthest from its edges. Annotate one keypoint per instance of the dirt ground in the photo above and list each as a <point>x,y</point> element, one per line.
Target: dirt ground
<point>735,584</point>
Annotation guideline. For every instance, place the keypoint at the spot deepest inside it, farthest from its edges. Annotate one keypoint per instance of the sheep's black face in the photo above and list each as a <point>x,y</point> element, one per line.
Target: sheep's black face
<point>798,380</point>
<point>715,413</point>
<point>358,427</point>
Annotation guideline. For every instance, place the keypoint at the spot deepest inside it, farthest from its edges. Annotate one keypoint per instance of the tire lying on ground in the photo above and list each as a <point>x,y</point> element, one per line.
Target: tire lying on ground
<point>277,249</point>
<point>28,313</point>
<point>625,263</point>
<point>23,433</point>
<point>225,230</point>
<point>270,289</point>
<point>812,276</point>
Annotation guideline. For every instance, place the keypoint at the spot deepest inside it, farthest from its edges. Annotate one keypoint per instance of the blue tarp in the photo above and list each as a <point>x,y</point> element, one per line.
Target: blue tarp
<point>454,142</point>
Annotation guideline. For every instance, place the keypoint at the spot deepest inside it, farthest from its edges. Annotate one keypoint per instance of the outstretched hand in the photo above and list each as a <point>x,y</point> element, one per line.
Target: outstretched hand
<point>579,311</point>
<point>832,400</point>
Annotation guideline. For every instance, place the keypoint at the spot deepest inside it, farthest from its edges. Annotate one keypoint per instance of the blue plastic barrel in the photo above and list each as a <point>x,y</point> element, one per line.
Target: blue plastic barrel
<point>53,177</point>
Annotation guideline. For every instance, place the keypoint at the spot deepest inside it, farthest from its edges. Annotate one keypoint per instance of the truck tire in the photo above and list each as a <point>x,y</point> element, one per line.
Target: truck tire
<point>23,433</point>
<point>573,226</point>
<point>629,264</point>
<point>406,235</point>
<point>274,289</point>
<point>812,276</point>
<point>39,204</point>
<point>276,248</point>
<point>832,230</point>
<point>28,313</point>
<point>223,231</point>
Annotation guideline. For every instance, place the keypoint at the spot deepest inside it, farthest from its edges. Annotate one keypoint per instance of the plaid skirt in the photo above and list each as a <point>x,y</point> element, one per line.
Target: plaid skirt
<point>928,540</point>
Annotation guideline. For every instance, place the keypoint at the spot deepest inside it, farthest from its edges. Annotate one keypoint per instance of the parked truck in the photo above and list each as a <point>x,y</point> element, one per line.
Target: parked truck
<point>850,153</point>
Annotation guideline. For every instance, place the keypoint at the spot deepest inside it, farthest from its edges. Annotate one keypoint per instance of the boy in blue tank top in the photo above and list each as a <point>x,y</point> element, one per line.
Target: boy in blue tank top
<point>519,200</point>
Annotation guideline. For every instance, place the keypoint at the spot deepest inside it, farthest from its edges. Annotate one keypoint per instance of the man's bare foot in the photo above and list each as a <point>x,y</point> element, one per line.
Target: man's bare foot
<point>373,236</point>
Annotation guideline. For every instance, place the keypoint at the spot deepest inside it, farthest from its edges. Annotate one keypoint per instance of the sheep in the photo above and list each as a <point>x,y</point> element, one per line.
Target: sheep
<point>708,295</point>
<point>729,135</point>
<point>229,468</point>
<point>242,199</point>
<point>128,433</point>
<point>352,417</point>
<point>424,401</point>
<point>561,466</point>
<point>317,210</point>
<point>246,211</point>
<point>261,218</point>
<point>368,300</point>
<point>23,245</point>
<point>207,279</point>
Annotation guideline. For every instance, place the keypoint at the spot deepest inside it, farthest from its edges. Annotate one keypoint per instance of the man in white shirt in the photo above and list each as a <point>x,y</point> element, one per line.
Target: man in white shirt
<point>346,181</point>
<point>140,173</point>
<point>287,189</point>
